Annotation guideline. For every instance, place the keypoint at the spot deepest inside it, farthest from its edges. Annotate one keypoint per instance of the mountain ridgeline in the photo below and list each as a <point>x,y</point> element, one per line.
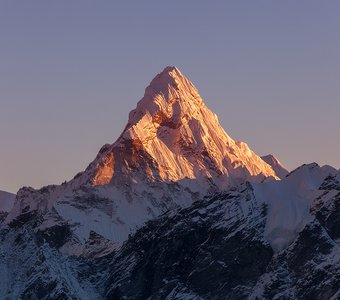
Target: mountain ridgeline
<point>172,135</point>
<point>175,209</point>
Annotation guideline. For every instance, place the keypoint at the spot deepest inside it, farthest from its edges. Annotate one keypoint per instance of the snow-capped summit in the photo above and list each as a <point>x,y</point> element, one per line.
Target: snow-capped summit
<point>170,93</point>
<point>172,135</point>
<point>172,152</point>
<point>262,239</point>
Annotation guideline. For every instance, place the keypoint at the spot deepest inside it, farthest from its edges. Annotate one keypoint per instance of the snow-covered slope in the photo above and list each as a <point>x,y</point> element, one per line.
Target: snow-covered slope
<point>220,247</point>
<point>172,152</point>
<point>279,169</point>
<point>172,135</point>
<point>6,201</point>
<point>175,209</point>
<point>289,202</point>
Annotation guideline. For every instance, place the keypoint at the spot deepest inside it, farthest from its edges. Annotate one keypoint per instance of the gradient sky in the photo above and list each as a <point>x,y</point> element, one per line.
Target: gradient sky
<point>70,72</point>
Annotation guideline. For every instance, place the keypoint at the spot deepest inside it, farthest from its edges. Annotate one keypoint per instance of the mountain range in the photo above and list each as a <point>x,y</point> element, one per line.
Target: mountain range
<point>175,209</point>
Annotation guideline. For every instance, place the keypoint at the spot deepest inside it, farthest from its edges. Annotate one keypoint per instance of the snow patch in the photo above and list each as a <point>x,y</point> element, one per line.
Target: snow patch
<point>289,202</point>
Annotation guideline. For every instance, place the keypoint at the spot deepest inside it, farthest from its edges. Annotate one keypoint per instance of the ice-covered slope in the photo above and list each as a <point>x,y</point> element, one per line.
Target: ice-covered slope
<point>279,169</point>
<point>6,201</point>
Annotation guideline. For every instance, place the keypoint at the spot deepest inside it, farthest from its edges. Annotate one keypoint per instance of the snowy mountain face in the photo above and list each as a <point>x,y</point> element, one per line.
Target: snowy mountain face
<point>172,136</point>
<point>228,246</point>
<point>289,202</point>
<point>172,152</point>
<point>219,247</point>
<point>175,209</point>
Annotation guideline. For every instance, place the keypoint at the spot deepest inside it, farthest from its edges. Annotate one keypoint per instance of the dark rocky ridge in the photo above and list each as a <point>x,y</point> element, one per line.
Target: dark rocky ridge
<point>214,249</point>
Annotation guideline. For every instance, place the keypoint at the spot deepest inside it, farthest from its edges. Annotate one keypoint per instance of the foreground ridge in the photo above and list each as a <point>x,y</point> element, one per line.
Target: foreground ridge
<point>224,246</point>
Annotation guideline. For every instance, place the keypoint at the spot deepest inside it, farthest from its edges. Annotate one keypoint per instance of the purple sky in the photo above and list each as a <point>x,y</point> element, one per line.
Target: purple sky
<point>70,72</point>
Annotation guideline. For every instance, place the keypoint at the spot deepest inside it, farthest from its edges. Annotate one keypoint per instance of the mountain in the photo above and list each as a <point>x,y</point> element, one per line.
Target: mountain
<point>175,209</point>
<point>289,202</point>
<point>6,201</point>
<point>171,153</point>
<point>278,168</point>
<point>226,246</point>
<point>172,136</point>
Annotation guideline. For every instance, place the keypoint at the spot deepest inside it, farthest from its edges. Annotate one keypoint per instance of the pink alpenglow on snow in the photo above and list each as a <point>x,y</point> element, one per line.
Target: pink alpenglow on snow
<point>172,152</point>
<point>172,135</point>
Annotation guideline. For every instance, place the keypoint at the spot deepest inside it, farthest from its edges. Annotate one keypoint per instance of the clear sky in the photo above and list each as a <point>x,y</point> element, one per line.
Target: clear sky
<point>71,70</point>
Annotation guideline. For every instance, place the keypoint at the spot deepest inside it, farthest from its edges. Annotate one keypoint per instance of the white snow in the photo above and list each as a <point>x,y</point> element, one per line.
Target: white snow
<point>289,202</point>
<point>117,212</point>
<point>172,152</point>
<point>182,137</point>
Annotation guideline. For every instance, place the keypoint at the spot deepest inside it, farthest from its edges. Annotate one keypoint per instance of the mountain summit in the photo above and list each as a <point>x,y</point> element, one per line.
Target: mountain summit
<point>172,135</point>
